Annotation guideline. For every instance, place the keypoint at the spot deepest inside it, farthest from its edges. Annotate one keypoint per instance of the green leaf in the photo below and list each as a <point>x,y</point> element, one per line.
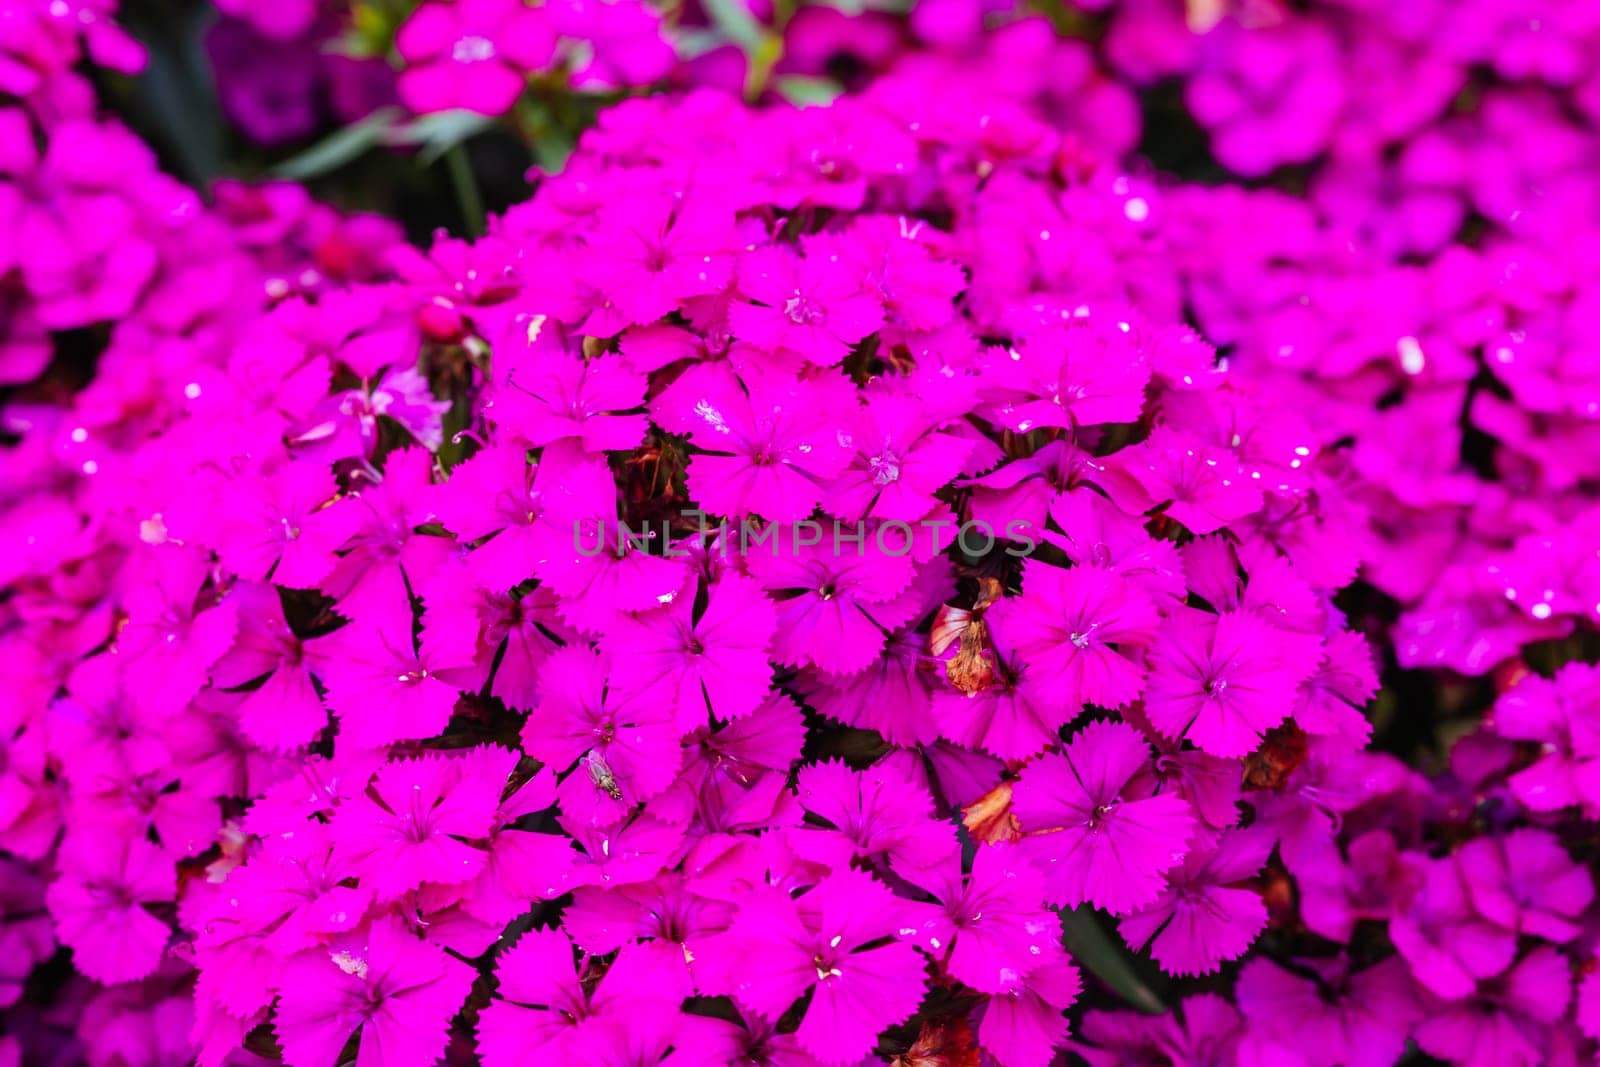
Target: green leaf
<point>551,151</point>
<point>736,23</point>
<point>1095,951</point>
<point>339,148</point>
<point>465,184</point>
<point>438,133</point>
<point>803,91</point>
<point>763,59</point>
<point>174,94</point>
<point>857,7</point>
<point>693,43</point>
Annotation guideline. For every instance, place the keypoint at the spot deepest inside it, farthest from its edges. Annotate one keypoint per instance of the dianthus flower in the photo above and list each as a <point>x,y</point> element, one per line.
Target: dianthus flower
<point>397,990</point>
<point>713,666</point>
<point>764,442</point>
<point>823,942</point>
<point>1081,630</point>
<point>1219,680</point>
<point>472,54</point>
<point>1094,843</point>
<point>336,647</point>
<point>582,717</point>
<point>98,905</point>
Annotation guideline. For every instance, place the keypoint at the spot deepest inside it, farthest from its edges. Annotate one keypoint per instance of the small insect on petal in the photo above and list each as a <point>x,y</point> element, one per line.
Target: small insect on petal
<point>600,774</point>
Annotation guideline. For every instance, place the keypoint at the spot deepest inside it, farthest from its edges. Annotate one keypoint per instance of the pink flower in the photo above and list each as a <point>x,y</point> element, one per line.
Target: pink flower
<point>1270,95</point>
<point>381,687</point>
<point>800,309</point>
<point>414,822</point>
<point>737,776</point>
<point>833,608</point>
<point>174,632</point>
<point>1562,714</point>
<point>1209,784</point>
<point>523,865</point>
<point>992,926</point>
<point>384,547</point>
<point>472,54</point>
<point>580,715</point>
<point>1205,1027</point>
<point>1025,1026</point>
<point>1094,840</point>
<point>30,807</point>
<point>1069,371</point>
<point>598,566</point>
<point>291,893</point>
<point>1507,1024</point>
<point>711,666</point>
<point>893,696</point>
<point>1015,498</point>
<point>280,21</point>
<point>1375,881</point>
<point>628,42</point>
<point>541,397</point>
<point>1333,1014</point>
<point>1081,630</point>
<point>1449,947</point>
<point>781,946</point>
<point>399,991</point>
<point>1589,1005</point>
<point>98,904</point>
<point>489,632</point>
<point>663,915</point>
<point>1203,487</point>
<point>1096,533</point>
<point>1218,680</point>
<point>875,814</point>
<point>284,712</point>
<point>657,251</point>
<point>1331,700</point>
<point>1200,920</point>
<point>277,524</point>
<point>900,462</point>
<point>346,424</point>
<point>544,1008</point>
<point>766,441</point>
<point>902,265</point>
<point>1526,882</point>
<point>1006,714</point>
<point>634,850</point>
<point>519,506</point>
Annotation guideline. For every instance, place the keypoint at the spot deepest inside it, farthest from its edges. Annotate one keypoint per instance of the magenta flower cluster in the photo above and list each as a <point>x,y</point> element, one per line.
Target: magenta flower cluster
<point>478,54</point>
<point>800,570</point>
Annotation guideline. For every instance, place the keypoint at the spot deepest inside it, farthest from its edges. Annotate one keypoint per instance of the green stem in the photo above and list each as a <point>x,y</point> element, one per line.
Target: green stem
<point>468,199</point>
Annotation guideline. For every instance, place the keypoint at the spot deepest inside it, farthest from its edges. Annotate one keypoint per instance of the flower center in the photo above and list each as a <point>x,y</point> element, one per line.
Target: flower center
<point>825,961</point>
<point>1100,813</point>
<point>472,49</point>
<point>1080,639</point>
<point>885,468</point>
<point>350,963</point>
<point>802,311</point>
